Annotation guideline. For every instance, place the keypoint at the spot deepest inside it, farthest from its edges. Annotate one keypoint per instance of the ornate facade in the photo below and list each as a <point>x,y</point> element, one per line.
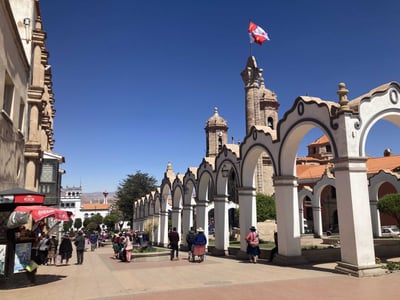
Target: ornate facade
<point>26,101</point>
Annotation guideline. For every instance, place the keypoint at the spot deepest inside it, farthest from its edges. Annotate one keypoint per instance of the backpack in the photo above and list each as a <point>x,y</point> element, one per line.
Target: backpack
<point>190,237</point>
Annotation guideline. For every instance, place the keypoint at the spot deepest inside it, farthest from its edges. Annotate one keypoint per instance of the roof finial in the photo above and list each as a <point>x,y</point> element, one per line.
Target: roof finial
<point>343,101</point>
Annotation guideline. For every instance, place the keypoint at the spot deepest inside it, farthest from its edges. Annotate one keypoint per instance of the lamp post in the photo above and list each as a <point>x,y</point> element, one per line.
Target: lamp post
<point>105,194</point>
<point>225,171</point>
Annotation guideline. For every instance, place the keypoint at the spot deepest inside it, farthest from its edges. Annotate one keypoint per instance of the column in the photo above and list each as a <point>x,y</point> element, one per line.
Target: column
<point>287,214</point>
<point>221,224</point>
<point>317,221</point>
<point>187,221</point>
<point>248,213</point>
<point>356,241</point>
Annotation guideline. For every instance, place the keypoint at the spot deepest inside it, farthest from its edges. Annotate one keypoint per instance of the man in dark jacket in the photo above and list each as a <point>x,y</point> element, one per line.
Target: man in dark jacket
<point>173,237</point>
<point>80,247</point>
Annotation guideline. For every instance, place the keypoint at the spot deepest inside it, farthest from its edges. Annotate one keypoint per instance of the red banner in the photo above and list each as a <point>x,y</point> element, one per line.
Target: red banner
<point>34,199</point>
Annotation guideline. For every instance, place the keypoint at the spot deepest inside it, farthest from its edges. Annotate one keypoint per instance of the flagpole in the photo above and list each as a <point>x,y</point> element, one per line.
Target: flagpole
<point>250,48</point>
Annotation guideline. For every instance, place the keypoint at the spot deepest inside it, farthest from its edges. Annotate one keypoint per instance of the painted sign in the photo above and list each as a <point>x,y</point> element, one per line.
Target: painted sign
<point>22,256</point>
<point>37,199</point>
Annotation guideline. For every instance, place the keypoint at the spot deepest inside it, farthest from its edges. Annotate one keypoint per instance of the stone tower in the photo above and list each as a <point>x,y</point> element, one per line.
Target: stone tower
<point>261,103</point>
<point>216,134</point>
<point>261,109</point>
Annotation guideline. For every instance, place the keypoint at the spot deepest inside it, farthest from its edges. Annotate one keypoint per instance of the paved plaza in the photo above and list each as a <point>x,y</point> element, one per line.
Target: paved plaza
<point>103,277</point>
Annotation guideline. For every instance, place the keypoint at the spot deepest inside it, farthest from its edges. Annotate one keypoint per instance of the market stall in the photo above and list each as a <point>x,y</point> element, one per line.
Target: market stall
<point>23,221</point>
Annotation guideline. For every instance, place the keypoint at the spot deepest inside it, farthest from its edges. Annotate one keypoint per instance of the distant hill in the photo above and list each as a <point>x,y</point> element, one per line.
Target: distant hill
<point>97,197</point>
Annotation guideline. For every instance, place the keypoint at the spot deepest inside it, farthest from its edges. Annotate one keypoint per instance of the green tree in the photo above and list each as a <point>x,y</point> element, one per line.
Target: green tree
<point>67,225</point>
<point>86,221</point>
<point>390,205</point>
<point>91,226</point>
<point>97,218</point>
<point>78,223</point>
<point>132,188</point>
<point>265,207</point>
<point>110,221</point>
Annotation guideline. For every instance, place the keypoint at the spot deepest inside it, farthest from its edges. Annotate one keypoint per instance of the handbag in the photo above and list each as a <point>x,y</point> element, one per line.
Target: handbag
<point>254,242</point>
<point>32,266</point>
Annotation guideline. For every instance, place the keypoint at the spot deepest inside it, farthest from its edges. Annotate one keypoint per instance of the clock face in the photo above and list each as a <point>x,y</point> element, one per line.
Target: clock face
<point>219,133</point>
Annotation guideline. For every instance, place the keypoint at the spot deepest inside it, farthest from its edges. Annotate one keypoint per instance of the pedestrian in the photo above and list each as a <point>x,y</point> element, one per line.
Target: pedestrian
<point>51,256</point>
<point>253,249</point>
<point>173,237</point>
<point>128,247</point>
<point>44,244</point>
<point>190,238</point>
<point>80,247</point>
<point>115,242</point>
<point>93,241</point>
<point>275,249</point>
<point>199,244</point>
<point>65,249</point>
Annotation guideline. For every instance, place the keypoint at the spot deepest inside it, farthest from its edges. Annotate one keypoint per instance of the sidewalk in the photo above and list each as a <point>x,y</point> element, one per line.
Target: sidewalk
<point>103,277</point>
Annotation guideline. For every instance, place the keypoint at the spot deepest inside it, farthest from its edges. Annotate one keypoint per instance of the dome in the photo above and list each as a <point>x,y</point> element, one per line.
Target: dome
<point>216,120</point>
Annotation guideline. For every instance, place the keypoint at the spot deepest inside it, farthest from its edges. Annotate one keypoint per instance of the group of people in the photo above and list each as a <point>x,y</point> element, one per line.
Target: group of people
<point>50,251</point>
<point>46,249</point>
<point>192,239</point>
<point>123,246</point>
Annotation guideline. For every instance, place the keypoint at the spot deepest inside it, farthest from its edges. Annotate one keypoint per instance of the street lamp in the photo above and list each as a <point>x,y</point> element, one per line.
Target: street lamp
<point>105,194</point>
<point>225,171</point>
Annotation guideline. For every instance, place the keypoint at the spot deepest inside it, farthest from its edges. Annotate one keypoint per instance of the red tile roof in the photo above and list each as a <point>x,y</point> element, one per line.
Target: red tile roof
<point>374,165</point>
<point>95,206</point>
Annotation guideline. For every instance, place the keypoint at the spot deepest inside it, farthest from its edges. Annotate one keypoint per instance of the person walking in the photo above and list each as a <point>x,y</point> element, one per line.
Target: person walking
<point>173,237</point>
<point>253,249</point>
<point>93,241</point>
<point>190,238</point>
<point>65,249</point>
<point>80,247</point>
<point>51,256</point>
<point>44,244</point>
<point>199,244</point>
<point>128,247</point>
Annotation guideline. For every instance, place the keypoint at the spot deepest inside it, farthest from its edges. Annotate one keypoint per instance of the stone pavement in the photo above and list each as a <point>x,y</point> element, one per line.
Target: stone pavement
<point>103,277</point>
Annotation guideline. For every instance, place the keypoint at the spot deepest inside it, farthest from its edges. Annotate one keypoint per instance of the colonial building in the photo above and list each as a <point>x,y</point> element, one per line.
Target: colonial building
<point>71,200</point>
<point>27,103</point>
<point>29,169</point>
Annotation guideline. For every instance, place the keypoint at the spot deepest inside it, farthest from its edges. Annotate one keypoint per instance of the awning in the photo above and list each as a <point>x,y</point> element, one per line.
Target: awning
<point>21,214</point>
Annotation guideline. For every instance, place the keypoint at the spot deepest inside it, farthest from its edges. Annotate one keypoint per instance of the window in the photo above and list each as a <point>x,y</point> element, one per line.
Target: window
<point>219,144</point>
<point>328,149</point>
<point>8,95</point>
<point>21,114</point>
<point>270,123</point>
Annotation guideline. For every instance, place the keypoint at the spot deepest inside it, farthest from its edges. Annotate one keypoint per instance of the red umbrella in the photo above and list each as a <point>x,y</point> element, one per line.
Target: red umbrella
<point>21,214</point>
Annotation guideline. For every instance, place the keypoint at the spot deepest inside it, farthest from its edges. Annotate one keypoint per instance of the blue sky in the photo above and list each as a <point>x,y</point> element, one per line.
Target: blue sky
<point>135,81</point>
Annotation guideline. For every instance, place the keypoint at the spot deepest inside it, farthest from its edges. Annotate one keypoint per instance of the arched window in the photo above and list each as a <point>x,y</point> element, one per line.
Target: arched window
<point>270,123</point>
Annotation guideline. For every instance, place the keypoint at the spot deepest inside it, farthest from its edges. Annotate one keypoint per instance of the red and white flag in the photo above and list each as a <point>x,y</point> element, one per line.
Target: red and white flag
<point>257,34</point>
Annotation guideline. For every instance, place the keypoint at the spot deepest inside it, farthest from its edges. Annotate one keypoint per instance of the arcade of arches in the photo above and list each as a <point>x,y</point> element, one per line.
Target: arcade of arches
<point>336,187</point>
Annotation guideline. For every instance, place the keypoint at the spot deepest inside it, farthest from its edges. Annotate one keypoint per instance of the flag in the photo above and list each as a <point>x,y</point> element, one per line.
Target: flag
<point>257,34</point>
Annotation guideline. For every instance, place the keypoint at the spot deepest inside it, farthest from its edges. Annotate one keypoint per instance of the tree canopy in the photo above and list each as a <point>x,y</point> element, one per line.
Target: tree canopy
<point>132,188</point>
<point>265,208</point>
<point>390,205</point>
